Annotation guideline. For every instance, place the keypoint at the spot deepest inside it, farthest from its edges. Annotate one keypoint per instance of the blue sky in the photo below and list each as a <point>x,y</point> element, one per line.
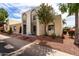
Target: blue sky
<point>15,10</point>
<point>70,21</point>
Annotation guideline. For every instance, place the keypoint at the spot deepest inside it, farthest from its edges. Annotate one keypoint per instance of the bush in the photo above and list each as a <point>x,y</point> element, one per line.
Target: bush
<point>10,31</point>
<point>64,31</point>
<point>53,35</point>
<point>58,36</point>
<point>71,33</point>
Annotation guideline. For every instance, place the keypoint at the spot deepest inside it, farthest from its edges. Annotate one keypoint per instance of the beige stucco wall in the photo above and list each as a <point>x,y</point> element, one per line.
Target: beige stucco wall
<point>58,27</point>
<point>7,27</point>
<point>17,28</point>
<point>40,27</point>
<point>28,23</point>
<point>24,20</point>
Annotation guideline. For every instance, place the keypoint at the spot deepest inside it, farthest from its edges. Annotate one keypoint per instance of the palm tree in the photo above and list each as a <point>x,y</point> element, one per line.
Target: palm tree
<point>45,14</point>
<point>72,8</point>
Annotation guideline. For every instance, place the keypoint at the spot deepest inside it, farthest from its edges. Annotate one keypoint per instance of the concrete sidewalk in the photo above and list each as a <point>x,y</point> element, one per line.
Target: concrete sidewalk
<point>34,50</point>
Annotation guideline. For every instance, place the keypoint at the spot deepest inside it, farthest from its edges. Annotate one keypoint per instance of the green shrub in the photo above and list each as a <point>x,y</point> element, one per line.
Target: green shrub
<point>58,36</point>
<point>64,31</point>
<point>10,31</point>
<point>71,33</point>
<point>53,35</point>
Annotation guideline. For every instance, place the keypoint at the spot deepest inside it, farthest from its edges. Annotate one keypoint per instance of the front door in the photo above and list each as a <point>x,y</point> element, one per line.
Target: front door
<point>34,30</point>
<point>24,29</point>
<point>20,29</point>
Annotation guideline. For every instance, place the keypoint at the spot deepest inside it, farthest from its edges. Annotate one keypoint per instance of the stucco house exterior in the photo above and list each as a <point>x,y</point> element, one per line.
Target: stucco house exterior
<point>31,24</point>
<point>15,25</point>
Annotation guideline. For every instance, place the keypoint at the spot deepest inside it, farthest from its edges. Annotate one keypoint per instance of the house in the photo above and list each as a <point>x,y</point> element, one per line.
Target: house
<point>31,24</point>
<point>15,25</point>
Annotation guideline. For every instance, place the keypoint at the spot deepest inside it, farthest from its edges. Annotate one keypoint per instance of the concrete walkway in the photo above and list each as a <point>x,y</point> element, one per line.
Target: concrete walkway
<point>33,50</point>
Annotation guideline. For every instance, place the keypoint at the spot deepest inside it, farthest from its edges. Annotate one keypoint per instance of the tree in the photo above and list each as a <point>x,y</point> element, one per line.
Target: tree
<point>3,16</point>
<point>45,15</point>
<point>72,8</point>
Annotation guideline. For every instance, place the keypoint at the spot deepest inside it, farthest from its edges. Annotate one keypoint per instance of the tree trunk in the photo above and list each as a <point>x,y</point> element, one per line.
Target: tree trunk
<point>45,29</point>
<point>76,28</point>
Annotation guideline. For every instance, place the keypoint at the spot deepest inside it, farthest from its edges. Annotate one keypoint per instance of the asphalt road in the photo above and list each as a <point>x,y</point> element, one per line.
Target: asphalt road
<point>6,48</point>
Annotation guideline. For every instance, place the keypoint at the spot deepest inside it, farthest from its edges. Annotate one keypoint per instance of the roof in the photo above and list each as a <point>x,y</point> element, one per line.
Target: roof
<point>12,22</point>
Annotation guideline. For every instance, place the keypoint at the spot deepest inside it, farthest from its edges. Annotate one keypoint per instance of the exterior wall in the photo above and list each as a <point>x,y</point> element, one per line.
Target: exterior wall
<point>28,23</point>
<point>17,28</point>
<point>58,25</point>
<point>40,28</point>
<point>7,27</point>
<point>24,20</point>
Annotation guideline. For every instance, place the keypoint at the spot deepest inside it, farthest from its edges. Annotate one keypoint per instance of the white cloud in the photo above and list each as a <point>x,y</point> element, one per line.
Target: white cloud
<point>15,19</point>
<point>17,14</point>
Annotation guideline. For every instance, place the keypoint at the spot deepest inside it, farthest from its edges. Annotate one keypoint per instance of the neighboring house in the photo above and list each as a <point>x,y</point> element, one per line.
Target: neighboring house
<point>15,25</point>
<point>31,24</point>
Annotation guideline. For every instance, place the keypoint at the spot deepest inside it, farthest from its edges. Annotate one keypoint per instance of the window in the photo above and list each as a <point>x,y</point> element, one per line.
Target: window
<point>20,29</point>
<point>14,27</point>
<point>50,27</point>
<point>24,28</point>
<point>34,17</point>
<point>24,18</point>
